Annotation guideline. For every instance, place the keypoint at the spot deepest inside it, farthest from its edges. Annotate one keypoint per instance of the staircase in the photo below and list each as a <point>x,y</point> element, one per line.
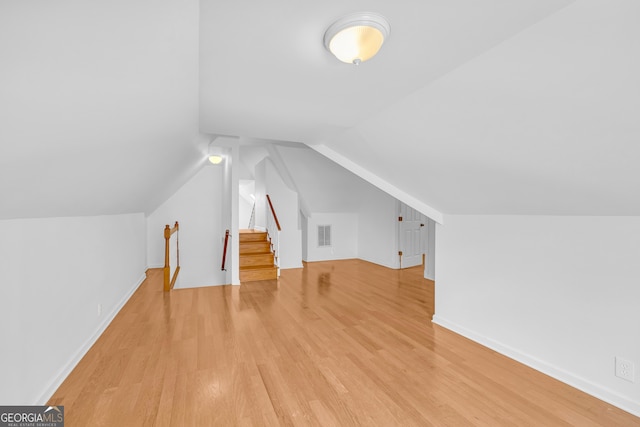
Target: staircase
<point>256,257</point>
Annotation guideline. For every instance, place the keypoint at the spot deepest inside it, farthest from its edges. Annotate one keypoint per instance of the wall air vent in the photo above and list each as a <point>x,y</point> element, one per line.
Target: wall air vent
<point>324,235</point>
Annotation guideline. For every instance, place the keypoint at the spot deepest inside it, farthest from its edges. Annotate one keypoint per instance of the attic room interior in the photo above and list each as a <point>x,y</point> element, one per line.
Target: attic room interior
<point>509,129</point>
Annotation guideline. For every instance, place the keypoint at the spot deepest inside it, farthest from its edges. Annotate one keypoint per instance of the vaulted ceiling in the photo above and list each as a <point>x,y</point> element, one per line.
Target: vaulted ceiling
<point>495,107</point>
<point>98,104</point>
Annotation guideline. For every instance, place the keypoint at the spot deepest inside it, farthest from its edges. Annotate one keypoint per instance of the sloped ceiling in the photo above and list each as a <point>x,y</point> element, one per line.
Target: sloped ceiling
<point>545,123</point>
<point>325,185</point>
<point>497,106</point>
<point>98,104</point>
<point>492,107</point>
<point>265,72</point>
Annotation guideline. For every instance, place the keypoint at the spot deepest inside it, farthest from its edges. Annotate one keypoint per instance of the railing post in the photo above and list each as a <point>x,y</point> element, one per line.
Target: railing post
<point>168,280</point>
<point>167,269</point>
<point>273,230</point>
<point>224,250</point>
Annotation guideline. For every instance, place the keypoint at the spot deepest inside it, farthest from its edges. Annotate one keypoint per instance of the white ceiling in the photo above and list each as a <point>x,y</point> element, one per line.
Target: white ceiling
<point>325,186</point>
<point>493,106</point>
<point>98,104</point>
<point>545,123</point>
<point>265,73</point>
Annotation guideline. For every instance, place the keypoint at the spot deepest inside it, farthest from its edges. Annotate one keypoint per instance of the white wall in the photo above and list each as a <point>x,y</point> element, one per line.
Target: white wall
<point>377,232</point>
<point>231,211</point>
<point>247,191</point>
<point>261,194</point>
<point>55,273</point>
<point>304,228</point>
<point>197,207</point>
<point>244,212</point>
<point>344,236</point>
<point>285,202</point>
<point>560,294</point>
<point>325,185</point>
<point>430,259</point>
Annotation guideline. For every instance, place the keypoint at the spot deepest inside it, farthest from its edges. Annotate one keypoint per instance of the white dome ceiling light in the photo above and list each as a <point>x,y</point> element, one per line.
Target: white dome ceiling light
<point>357,37</point>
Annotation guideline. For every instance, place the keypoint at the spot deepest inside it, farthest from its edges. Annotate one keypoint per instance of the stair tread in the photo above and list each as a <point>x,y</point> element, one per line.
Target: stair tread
<point>257,267</point>
<point>253,236</point>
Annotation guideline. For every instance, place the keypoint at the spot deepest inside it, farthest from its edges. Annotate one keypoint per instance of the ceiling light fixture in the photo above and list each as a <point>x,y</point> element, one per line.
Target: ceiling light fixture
<point>215,155</point>
<point>215,159</point>
<point>357,37</point>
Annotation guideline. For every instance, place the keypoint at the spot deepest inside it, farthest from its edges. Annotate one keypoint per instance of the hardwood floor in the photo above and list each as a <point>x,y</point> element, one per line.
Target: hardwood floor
<point>341,343</point>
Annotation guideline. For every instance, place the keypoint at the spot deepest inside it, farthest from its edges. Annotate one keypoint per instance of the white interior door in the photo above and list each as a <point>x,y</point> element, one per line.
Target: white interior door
<point>411,242</point>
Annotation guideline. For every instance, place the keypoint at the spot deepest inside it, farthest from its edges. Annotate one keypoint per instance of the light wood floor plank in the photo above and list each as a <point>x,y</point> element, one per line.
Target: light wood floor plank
<point>334,344</point>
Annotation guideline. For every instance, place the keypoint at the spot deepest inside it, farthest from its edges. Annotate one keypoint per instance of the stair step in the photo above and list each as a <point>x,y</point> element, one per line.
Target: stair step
<point>255,247</point>
<point>255,260</point>
<point>252,274</point>
<point>252,236</point>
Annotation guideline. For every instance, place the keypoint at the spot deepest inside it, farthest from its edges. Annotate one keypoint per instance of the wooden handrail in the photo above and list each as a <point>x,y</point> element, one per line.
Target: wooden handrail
<point>273,234</point>
<point>274,213</point>
<point>169,282</point>
<point>224,251</point>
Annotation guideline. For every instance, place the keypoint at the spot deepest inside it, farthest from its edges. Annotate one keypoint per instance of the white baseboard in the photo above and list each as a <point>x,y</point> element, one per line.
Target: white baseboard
<point>75,359</point>
<point>206,285</point>
<point>377,262</point>
<point>582,384</point>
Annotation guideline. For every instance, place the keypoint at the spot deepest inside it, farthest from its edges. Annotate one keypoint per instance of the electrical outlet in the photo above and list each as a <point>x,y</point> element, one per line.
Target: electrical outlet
<point>99,309</point>
<point>624,369</point>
